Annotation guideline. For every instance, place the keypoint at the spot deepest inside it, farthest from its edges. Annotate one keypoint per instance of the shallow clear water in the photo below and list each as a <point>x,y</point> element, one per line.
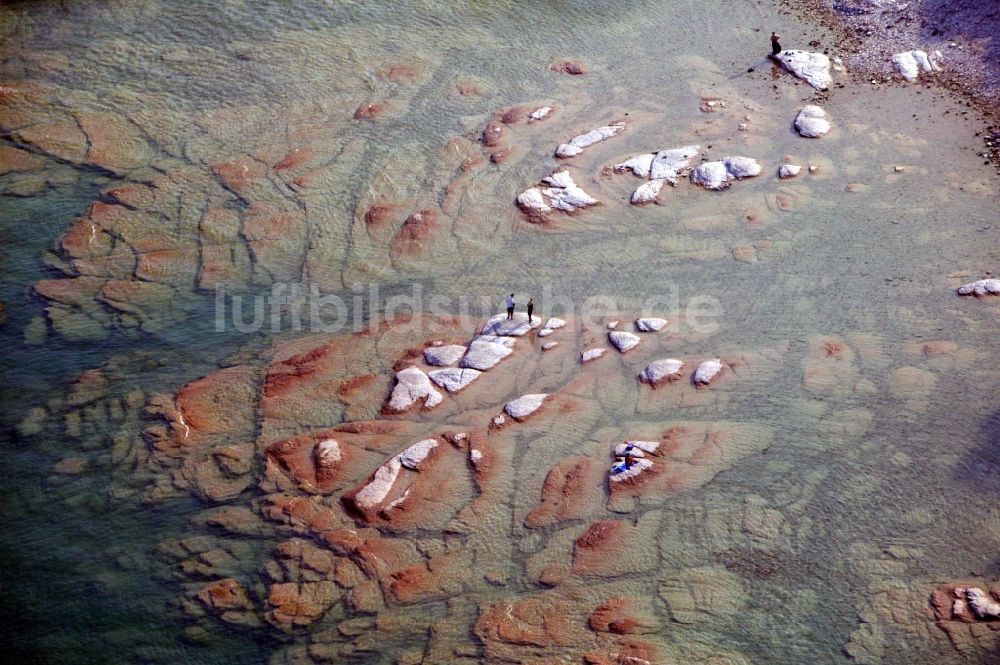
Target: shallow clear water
<point>878,480</point>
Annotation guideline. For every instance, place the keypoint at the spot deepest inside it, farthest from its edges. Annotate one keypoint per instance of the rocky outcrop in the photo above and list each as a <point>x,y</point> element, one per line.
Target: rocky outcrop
<point>443,356</point>
<point>660,372</point>
<point>454,379</point>
<point>909,64</point>
<point>812,122</point>
<point>813,68</point>
<point>660,167</point>
<point>519,326</point>
<point>486,351</point>
<point>707,371</point>
<point>561,194</point>
<point>578,143</point>
<point>623,341</point>
<point>412,386</point>
<point>522,407</point>
<point>719,175</point>
<point>979,288</point>
<point>650,324</point>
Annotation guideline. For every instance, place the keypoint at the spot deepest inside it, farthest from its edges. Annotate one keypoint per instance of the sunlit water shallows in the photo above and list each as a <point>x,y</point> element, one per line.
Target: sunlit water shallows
<point>802,508</point>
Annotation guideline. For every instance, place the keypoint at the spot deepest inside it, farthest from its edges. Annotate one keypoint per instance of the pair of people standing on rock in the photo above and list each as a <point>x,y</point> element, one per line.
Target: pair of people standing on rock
<point>510,307</point>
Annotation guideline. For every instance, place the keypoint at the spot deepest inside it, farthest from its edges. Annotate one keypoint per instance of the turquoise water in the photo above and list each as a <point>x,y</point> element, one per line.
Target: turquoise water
<point>888,488</point>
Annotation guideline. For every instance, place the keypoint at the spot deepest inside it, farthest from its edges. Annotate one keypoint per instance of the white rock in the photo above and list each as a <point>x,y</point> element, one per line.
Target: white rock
<point>475,455</point>
<point>501,326</point>
<point>623,341</point>
<point>417,453</point>
<point>980,287</point>
<point>910,63</point>
<point>659,371</point>
<point>549,345</point>
<point>592,354</point>
<point>813,68</point>
<point>326,454</point>
<point>812,122</point>
<point>647,193</point>
<point>647,446</point>
<point>578,143</point>
<point>638,467</point>
<point>540,113</point>
<point>486,351</point>
<point>532,201</point>
<point>741,167</point>
<point>707,371</point>
<point>442,356</point>
<point>982,603</point>
<point>639,165</point>
<point>524,406</point>
<point>671,164</point>
<point>498,421</point>
<point>453,379</point>
<point>650,324</point>
<point>613,324</point>
<point>555,324</point>
<point>564,194</point>
<point>413,385</point>
<point>786,171</point>
<point>375,491</point>
<point>622,448</point>
<point>545,332</point>
<point>718,175</point>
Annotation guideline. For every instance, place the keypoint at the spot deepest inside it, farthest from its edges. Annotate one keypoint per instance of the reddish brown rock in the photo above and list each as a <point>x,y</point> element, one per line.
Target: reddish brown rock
<point>402,72</point>
<point>219,406</point>
<point>572,490</point>
<point>369,111</point>
<point>599,546</point>
<point>414,236</point>
<point>224,595</point>
<point>14,160</point>
<point>294,158</point>
<point>629,652</point>
<point>439,577</point>
<point>61,138</point>
<point>572,67</point>
<point>239,176</point>
<point>621,616</point>
<point>316,462</point>
<point>114,143</point>
<point>493,134</point>
<point>538,622</point>
<point>298,604</point>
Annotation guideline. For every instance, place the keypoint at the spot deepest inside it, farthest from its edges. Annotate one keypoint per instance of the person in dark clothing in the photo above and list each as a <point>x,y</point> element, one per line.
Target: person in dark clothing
<point>775,45</point>
<point>531,308</point>
<point>510,307</point>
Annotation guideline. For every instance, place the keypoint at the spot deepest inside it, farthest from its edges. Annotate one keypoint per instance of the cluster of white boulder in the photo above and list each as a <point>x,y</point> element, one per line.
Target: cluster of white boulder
<point>669,370</point>
<point>659,167</point>
<point>562,193</point>
<point>981,287</point>
<point>624,341</point>
<point>637,451</point>
<point>578,143</point>
<point>377,489</point>
<point>910,64</point>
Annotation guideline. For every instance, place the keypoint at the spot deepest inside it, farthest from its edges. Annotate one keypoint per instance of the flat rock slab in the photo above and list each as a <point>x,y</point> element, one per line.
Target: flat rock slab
<point>486,351</point>
<point>412,457</point>
<point>624,341</point>
<point>812,122</point>
<point>578,143</point>
<point>707,371</point>
<point>524,406</point>
<point>981,287</point>
<point>443,356</point>
<point>412,385</point>
<point>592,354</point>
<point>501,326</point>
<point>454,379</point>
<point>663,371</point>
<point>650,324</point>
<point>813,68</point>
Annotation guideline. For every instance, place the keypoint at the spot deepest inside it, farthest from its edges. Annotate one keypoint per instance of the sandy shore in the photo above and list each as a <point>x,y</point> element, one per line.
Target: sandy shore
<point>965,32</point>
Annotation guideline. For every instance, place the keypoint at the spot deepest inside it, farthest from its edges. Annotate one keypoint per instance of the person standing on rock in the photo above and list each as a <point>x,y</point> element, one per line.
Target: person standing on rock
<point>531,308</point>
<point>775,45</point>
<point>510,307</point>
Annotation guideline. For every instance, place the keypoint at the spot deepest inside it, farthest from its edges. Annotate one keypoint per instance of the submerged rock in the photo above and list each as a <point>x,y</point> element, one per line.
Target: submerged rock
<point>719,175</point>
<point>812,122</point>
<point>592,354</point>
<point>623,341</point>
<point>486,351</point>
<point>578,143</point>
<point>443,356</point>
<point>524,406</point>
<point>540,113</point>
<point>707,371</point>
<point>659,372</point>
<point>549,346</point>
<point>813,68</point>
<point>981,287</point>
<point>910,63</point>
<point>454,379</point>
<point>412,385</point>
<point>650,324</point>
<point>786,171</point>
